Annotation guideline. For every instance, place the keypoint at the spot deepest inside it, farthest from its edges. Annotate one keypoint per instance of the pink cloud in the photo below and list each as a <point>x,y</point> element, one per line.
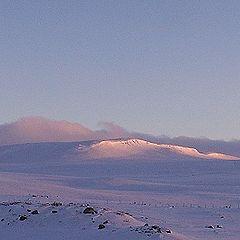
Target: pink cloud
<point>39,129</point>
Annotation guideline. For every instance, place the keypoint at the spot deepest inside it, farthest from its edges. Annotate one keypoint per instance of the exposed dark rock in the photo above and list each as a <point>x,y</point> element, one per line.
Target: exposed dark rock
<point>101,226</point>
<point>156,228</point>
<point>22,217</point>
<point>210,226</point>
<point>56,204</point>
<point>89,210</point>
<point>34,212</point>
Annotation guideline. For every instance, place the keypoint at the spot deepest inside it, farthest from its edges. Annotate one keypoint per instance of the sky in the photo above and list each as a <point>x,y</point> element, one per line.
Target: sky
<point>157,67</point>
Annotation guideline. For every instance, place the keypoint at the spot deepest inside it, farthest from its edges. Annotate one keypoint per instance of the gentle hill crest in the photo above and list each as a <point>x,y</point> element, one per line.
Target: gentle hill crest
<point>137,147</point>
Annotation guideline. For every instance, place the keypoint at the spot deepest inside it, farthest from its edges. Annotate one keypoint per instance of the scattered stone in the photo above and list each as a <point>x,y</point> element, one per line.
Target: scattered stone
<point>89,210</point>
<point>2,219</point>
<point>56,204</point>
<point>22,217</point>
<point>168,231</point>
<point>101,226</point>
<point>127,213</point>
<point>14,203</point>
<point>210,226</point>
<point>54,211</point>
<point>149,230</point>
<point>155,227</point>
<point>29,210</point>
<point>120,213</point>
<point>106,222</point>
<point>34,212</point>
<point>218,226</point>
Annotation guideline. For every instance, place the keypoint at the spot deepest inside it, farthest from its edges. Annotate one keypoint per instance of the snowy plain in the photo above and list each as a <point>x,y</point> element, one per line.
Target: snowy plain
<point>140,190</point>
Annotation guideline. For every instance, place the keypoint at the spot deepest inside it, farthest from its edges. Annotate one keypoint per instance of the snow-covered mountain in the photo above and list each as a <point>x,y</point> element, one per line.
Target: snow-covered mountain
<point>106,149</point>
<point>138,148</point>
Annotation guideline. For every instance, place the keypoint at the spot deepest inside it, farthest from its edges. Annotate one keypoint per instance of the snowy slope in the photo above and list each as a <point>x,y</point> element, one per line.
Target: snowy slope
<point>130,182</point>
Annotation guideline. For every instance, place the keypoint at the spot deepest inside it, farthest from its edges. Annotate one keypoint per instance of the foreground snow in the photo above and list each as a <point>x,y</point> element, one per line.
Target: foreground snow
<point>31,219</point>
<point>38,217</point>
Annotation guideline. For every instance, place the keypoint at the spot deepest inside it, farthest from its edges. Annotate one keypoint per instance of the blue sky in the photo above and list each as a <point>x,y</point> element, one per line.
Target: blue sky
<point>159,67</point>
